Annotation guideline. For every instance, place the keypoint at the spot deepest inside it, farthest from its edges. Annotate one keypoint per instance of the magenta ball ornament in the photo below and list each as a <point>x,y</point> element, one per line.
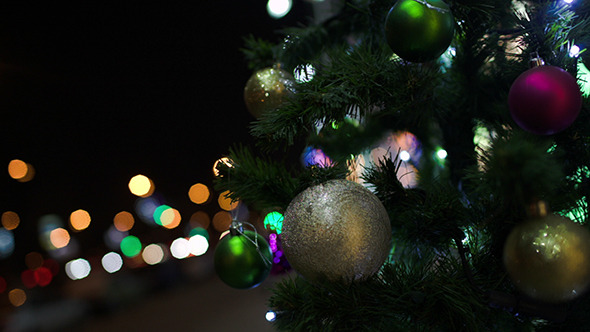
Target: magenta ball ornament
<point>544,100</point>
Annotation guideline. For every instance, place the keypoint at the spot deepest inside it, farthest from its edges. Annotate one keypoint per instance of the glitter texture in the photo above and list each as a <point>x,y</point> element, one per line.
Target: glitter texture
<point>548,258</point>
<point>337,231</point>
<point>268,89</point>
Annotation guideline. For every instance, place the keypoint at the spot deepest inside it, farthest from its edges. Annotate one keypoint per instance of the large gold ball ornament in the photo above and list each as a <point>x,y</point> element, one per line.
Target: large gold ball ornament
<point>267,89</point>
<point>336,231</point>
<point>548,258</point>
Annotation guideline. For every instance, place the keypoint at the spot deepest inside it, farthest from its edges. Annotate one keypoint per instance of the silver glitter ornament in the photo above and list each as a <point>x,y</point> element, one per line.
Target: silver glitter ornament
<point>267,89</point>
<point>337,230</point>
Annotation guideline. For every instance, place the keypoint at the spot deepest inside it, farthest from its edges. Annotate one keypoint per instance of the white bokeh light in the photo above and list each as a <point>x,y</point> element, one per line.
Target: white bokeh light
<point>404,155</point>
<point>153,254</point>
<point>180,248</point>
<point>112,262</point>
<point>198,245</point>
<point>78,269</point>
<point>278,8</point>
<point>304,73</point>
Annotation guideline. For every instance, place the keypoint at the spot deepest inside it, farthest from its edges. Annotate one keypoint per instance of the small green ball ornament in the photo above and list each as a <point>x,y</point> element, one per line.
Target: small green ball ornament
<point>243,259</point>
<point>419,30</point>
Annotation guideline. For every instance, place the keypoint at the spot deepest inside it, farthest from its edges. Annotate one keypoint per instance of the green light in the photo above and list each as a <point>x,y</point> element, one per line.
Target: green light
<point>584,79</point>
<point>199,231</point>
<point>441,153</point>
<point>158,213</point>
<point>274,222</point>
<point>130,246</point>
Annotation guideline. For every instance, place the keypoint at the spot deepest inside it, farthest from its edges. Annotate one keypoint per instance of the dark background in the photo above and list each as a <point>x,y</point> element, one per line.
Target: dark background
<point>93,93</point>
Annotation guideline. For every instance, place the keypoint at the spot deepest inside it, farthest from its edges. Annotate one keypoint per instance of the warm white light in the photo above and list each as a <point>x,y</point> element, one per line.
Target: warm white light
<point>153,254</point>
<point>112,262</point>
<point>270,316</point>
<point>278,8</point>
<point>404,155</point>
<point>574,51</point>
<point>180,248</point>
<point>198,245</point>
<point>77,269</point>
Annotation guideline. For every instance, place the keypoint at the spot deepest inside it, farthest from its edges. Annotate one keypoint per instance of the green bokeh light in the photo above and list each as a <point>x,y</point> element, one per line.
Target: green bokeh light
<point>199,231</point>
<point>274,222</point>
<point>130,246</point>
<point>158,213</point>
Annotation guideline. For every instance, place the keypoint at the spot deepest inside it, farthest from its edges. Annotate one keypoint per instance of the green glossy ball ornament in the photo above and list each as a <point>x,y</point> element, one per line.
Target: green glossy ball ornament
<point>419,30</point>
<point>548,258</point>
<point>243,260</point>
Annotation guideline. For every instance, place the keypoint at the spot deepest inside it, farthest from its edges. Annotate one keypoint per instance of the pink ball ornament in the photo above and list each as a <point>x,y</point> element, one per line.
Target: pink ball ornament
<point>544,100</point>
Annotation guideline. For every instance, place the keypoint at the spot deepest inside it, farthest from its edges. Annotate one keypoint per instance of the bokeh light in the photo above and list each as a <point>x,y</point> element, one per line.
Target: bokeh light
<point>6,243</point>
<point>180,248</point>
<point>198,245</point>
<point>222,221</point>
<point>278,8</point>
<point>315,157</point>
<point>199,231</point>
<point>200,219</point>
<point>225,202</point>
<point>153,254</point>
<point>112,262</point>
<point>43,276</point>
<point>78,269</point>
<point>113,237</point>
<point>28,278</point>
<point>46,224</point>
<point>34,260</point>
<point>123,221</point>
<point>199,193</point>
<point>225,161</point>
<point>145,208</point>
<point>10,220</point>
<point>130,246</point>
<point>142,186</point>
<point>270,316</point>
<point>59,237</point>
<point>80,220</point>
<point>273,221</point>
<point>20,171</point>
<point>170,218</point>
<point>17,297</point>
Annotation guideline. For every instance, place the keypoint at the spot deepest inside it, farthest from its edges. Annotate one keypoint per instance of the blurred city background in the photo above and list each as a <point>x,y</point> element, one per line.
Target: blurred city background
<point>113,117</point>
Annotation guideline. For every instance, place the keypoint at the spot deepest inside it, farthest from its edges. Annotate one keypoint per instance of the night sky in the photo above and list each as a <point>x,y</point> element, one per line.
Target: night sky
<point>92,95</point>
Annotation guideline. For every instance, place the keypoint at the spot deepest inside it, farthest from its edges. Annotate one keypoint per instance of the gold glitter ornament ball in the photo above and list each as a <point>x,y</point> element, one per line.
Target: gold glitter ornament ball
<point>548,258</point>
<point>267,89</point>
<point>337,230</point>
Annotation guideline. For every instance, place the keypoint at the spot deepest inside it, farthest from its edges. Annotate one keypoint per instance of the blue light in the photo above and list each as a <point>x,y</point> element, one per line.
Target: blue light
<point>6,243</point>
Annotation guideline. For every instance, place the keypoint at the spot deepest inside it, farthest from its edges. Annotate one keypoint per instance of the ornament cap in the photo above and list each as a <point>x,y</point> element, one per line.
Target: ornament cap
<point>538,209</point>
<point>536,60</point>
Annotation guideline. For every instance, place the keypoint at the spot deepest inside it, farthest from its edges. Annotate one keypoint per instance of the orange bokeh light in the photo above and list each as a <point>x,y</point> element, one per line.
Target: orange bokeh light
<point>225,202</point>
<point>222,221</point>
<point>170,218</point>
<point>20,171</point>
<point>200,219</point>
<point>80,220</point>
<point>59,237</point>
<point>199,193</point>
<point>10,220</point>
<point>123,221</point>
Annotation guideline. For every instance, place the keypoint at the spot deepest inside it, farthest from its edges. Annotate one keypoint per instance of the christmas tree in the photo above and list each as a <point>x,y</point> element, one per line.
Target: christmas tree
<point>431,161</point>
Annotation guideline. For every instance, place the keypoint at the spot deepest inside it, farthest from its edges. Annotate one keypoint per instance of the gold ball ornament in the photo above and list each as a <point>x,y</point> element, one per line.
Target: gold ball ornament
<point>336,231</point>
<point>267,89</point>
<point>548,258</point>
